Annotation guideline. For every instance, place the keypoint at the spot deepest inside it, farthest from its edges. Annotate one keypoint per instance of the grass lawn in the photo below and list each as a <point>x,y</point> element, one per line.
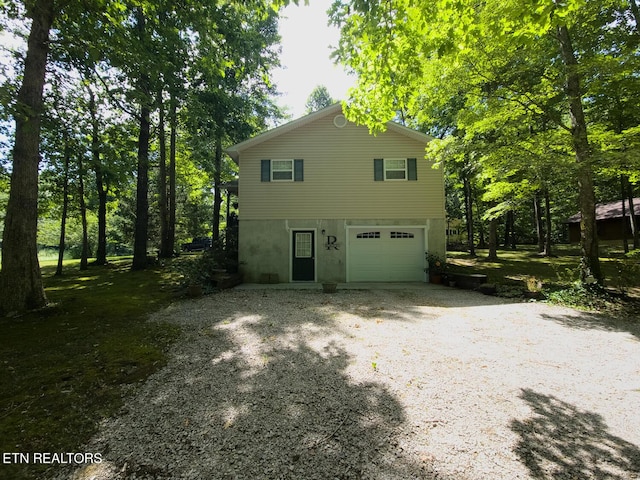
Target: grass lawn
<point>559,271</point>
<point>68,366</point>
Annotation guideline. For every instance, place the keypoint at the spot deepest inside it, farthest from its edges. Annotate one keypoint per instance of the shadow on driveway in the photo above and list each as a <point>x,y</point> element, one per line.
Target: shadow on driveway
<point>596,321</point>
<point>267,385</point>
<point>253,394</point>
<point>562,442</point>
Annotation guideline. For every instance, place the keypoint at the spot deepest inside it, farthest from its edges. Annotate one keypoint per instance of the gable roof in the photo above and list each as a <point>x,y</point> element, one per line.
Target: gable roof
<point>235,150</point>
<point>607,211</point>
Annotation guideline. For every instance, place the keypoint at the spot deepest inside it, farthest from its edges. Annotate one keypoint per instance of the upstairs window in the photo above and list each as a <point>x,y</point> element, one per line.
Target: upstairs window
<point>395,169</point>
<point>282,170</point>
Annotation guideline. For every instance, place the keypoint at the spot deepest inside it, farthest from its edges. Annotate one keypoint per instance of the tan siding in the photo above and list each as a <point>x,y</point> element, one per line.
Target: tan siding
<point>338,177</point>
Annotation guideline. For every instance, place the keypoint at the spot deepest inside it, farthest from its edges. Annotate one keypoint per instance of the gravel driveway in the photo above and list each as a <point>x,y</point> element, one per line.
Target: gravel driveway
<point>429,383</point>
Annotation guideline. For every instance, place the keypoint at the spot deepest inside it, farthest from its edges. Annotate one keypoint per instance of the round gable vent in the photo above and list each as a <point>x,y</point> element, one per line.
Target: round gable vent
<point>340,121</point>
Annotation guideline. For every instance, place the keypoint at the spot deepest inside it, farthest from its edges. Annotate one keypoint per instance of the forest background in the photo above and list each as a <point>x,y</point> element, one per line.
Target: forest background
<point>115,117</point>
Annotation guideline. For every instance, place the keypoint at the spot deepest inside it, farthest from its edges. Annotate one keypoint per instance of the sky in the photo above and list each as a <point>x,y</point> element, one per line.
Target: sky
<point>306,49</point>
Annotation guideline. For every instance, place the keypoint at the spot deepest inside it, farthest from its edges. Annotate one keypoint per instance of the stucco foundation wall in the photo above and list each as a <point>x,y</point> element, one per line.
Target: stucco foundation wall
<point>263,248</point>
<point>437,237</point>
<point>265,245</point>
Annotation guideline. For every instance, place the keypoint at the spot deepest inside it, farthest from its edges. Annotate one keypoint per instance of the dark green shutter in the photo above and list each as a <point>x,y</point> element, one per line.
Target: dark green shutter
<point>412,169</point>
<point>298,170</point>
<point>265,170</point>
<point>378,169</point>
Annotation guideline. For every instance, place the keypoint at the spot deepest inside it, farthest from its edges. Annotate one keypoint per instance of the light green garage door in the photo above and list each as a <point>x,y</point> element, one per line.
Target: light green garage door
<point>385,254</point>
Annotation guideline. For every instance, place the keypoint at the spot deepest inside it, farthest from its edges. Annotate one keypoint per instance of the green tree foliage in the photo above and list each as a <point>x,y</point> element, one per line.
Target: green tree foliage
<point>532,85</point>
<point>128,59</point>
<point>232,101</point>
<point>318,99</point>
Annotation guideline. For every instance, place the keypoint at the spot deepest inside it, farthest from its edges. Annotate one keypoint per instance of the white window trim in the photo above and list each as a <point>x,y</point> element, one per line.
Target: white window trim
<point>282,179</point>
<point>397,234</point>
<point>368,235</point>
<point>385,169</point>
<point>298,245</point>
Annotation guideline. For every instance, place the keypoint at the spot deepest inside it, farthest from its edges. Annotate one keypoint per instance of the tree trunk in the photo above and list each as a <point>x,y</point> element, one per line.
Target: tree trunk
<point>482,242</point>
<point>165,252</point>
<point>632,214</point>
<point>508,220</point>
<point>513,239</point>
<point>590,261</point>
<point>21,285</point>
<point>173,121</point>
<point>142,190</point>
<point>636,13</point>
<point>623,194</point>
<point>101,253</point>
<point>537,208</point>
<point>84,255</point>
<point>547,218</point>
<point>493,240</point>
<point>142,185</point>
<point>217,199</point>
<point>468,207</point>
<point>65,204</point>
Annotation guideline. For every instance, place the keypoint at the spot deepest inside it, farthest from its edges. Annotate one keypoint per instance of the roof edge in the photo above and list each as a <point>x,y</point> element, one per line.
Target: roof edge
<point>234,150</point>
<point>409,132</point>
<point>609,210</point>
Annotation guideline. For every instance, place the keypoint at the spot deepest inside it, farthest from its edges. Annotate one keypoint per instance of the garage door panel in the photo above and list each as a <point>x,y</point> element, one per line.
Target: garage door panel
<point>386,254</point>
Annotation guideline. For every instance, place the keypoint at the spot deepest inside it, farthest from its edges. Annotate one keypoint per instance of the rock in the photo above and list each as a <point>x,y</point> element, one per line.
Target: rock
<point>488,289</point>
<point>468,281</point>
<point>194,290</point>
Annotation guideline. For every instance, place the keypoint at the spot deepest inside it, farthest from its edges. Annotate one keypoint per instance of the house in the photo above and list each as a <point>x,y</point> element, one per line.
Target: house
<point>609,221</point>
<point>456,233</point>
<point>323,200</point>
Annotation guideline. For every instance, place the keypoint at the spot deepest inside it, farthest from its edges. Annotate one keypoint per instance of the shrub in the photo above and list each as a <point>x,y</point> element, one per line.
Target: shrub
<point>582,296</point>
<point>627,271</point>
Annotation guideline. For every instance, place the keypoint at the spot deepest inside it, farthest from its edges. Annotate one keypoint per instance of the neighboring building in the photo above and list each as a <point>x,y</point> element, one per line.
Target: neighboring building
<point>456,234</point>
<point>609,221</point>
<point>321,199</point>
